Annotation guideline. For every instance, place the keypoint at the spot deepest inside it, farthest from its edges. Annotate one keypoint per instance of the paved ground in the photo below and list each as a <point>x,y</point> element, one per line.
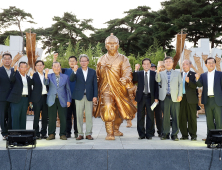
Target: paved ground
<point>128,141</point>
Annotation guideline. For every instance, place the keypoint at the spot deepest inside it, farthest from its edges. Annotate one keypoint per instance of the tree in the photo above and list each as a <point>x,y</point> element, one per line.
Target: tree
<point>199,18</point>
<point>7,34</point>
<point>129,30</point>
<point>163,30</point>
<point>69,28</point>
<point>66,29</point>
<point>14,16</point>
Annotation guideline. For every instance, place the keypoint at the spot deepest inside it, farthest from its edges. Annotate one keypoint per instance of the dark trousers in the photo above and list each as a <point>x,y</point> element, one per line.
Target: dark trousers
<point>71,111</point>
<point>38,107</point>
<point>188,115</point>
<point>18,113</point>
<point>170,109</point>
<point>213,114</point>
<point>5,117</point>
<point>52,111</point>
<point>159,118</point>
<point>145,103</point>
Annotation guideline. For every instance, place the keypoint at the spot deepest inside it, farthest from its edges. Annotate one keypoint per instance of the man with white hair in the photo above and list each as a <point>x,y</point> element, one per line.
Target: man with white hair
<point>188,105</point>
<point>85,93</point>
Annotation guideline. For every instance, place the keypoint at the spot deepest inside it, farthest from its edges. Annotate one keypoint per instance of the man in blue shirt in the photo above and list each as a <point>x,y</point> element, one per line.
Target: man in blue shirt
<point>72,109</point>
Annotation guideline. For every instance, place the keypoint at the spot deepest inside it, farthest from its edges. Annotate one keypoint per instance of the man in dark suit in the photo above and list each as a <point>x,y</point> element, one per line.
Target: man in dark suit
<point>58,98</point>
<point>85,93</point>
<point>38,98</point>
<point>211,82</point>
<point>71,111</point>
<point>5,87</point>
<point>19,96</point>
<point>147,93</point>
<point>188,105</point>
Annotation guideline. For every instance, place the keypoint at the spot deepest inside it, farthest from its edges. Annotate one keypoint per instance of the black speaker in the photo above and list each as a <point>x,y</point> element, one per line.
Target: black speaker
<point>214,137</point>
<point>21,138</point>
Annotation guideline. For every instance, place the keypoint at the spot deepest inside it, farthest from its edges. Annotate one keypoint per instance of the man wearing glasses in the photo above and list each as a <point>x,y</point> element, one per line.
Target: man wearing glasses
<point>211,81</point>
<point>85,93</point>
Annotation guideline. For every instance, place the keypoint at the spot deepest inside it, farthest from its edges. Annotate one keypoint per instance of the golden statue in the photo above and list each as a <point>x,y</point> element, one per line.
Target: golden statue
<point>114,76</point>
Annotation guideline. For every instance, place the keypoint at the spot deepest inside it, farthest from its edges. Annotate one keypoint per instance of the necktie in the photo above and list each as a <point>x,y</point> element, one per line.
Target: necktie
<point>146,83</point>
<point>184,91</point>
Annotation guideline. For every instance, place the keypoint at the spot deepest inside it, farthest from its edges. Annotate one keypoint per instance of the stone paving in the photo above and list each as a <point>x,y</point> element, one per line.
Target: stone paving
<point>128,141</point>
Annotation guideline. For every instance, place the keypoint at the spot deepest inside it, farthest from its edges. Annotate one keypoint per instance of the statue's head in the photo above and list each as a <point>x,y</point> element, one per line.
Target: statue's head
<point>112,44</point>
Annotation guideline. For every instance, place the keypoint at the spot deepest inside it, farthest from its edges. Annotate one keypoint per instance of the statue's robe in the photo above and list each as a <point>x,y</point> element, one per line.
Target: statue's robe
<point>113,97</point>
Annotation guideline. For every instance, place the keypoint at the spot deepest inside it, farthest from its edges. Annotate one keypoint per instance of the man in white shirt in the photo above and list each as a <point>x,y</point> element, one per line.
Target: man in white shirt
<point>211,81</point>
<point>19,96</point>
<point>85,93</point>
<point>38,98</point>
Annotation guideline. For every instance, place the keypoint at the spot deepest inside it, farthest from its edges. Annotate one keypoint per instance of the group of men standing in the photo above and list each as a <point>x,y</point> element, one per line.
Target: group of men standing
<point>49,94</point>
<point>177,98</point>
<point>71,91</point>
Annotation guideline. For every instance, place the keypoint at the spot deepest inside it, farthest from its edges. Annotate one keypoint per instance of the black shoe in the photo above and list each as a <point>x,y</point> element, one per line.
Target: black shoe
<point>76,135</point>
<point>4,137</point>
<point>160,135</point>
<point>164,137</point>
<point>175,138</point>
<point>193,139</point>
<point>141,138</point>
<point>44,137</point>
<point>38,138</point>
<point>184,138</point>
<point>149,138</point>
<point>68,135</point>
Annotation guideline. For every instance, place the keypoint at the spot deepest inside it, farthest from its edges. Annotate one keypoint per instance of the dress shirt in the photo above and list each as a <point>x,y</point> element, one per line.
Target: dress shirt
<point>148,78</point>
<point>210,81</point>
<point>41,76</point>
<point>184,81</point>
<point>25,85</point>
<point>85,73</point>
<point>8,71</point>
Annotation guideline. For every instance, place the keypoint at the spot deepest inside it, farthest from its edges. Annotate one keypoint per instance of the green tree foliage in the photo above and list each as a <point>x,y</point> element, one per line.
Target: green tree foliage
<point>7,41</point>
<point>142,33</point>
<point>198,18</point>
<point>129,30</point>
<point>155,52</point>
<point>7,34</point>
<point>15,16</point>
<point>138,29</point>
<point>66,29</point>
<point>92,52</point>
<point>163,30</point>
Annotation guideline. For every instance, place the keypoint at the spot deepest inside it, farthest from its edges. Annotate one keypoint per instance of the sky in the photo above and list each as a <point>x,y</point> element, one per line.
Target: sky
<point>100,11</point>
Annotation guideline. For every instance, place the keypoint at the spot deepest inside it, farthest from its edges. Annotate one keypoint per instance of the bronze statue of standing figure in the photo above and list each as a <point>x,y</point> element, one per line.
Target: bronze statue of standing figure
<point>114,75</point>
